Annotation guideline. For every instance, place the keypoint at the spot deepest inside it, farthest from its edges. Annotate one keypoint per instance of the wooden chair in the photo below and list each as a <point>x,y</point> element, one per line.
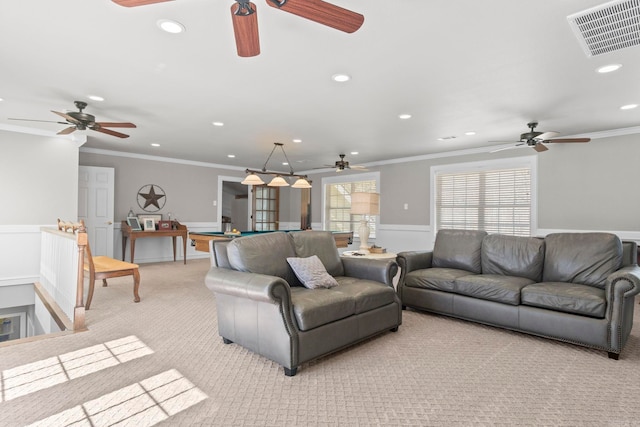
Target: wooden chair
<point>103,267</point>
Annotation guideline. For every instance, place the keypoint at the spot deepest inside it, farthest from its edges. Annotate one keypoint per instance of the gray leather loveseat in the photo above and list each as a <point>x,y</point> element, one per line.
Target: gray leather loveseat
<point>573,287</point>
<point>263,306</point>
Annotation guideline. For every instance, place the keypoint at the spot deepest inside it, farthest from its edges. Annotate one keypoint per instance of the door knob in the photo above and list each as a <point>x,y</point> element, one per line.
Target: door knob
<point>109,222</point>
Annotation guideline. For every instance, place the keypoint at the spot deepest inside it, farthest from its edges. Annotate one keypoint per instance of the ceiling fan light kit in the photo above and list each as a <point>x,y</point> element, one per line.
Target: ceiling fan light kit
<point>278,181</point>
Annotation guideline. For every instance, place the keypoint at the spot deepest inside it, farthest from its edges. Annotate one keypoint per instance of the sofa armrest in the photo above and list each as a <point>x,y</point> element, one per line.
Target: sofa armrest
<point>379,270</point>
<point>620,289</point>
<point>414,260</point>
<point>624,282</point>
<point>257,287</point>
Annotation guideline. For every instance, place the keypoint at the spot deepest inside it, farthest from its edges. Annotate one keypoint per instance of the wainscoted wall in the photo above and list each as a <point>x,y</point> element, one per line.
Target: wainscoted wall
<point>580,187</point>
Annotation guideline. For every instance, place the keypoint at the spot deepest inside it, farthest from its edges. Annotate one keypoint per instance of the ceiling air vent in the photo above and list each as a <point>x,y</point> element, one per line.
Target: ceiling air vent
<point>609,27</point>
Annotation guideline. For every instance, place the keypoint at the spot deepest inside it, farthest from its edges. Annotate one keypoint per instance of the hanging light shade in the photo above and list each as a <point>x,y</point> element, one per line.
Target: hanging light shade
<point>278,181</point>
<point>301,183</point>
<point>253,179</point>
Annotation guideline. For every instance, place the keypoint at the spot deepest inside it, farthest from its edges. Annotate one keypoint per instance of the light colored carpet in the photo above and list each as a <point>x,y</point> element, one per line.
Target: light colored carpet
<point>434,371</point>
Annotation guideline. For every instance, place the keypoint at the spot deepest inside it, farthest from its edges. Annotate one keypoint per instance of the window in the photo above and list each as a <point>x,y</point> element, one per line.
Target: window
<point>337,201</point>
<point>496,197</point>
<point>265,208</point>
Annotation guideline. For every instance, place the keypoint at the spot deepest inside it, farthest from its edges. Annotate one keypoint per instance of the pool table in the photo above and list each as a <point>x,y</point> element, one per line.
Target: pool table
<point>200,239</point>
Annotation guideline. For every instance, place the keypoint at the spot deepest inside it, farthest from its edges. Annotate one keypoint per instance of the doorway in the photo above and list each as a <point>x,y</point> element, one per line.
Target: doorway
<point>234,204</point>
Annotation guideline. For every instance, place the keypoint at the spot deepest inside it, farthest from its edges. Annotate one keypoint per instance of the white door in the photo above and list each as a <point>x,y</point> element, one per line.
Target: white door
<point>95,207</point>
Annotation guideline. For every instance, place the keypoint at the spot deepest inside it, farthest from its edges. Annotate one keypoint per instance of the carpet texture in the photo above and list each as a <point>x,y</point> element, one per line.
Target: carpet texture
<point>434,371</point>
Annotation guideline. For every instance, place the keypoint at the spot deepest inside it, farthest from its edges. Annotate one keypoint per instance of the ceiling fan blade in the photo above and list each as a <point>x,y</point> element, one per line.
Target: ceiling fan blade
<point>321,12</point>
<point>539,147</point>
<point>115,125</point>
<point>43,121</point>
<point>110,132</point>
<point>360,168</point>
<point>570,140</point>
<point>245,29</point>
<point>547,135</point>
<point>521,144</point>
<point>132,3</point>
<point>67,131</point>
<point>67,118</point>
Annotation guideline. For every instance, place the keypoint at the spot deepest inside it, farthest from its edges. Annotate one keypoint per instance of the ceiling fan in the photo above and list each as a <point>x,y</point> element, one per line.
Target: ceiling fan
<point>536,140</point>
<point>81,121</point>
<point>245,19</point>
<point>342,164</point>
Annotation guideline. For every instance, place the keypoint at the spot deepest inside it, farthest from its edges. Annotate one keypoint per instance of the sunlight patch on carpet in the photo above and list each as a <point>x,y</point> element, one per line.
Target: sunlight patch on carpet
<point>142,404</point>
<point>29,378</point>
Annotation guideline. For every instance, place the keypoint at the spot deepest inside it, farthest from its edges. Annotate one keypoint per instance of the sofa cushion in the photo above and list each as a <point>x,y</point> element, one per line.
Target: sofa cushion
<point>458,249</point>
<point>513,256</point>
<point>320,243</point>
<point>492,287</point>
<point>566,297</point>
<point>317,307</point>
<point>440,279</point>
<point>264,254</point>
<point>367,294</point>
<point>585,258</point>
<point>311,272</point>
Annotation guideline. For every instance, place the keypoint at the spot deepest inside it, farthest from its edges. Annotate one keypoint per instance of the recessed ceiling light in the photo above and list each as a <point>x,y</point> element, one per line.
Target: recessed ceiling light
<point>470,133</point>
<point>341,78</point>
<point>297,141</point>
<point>231,156</point>
<point>95,98</point>
<point>1,99</point>
<point>355,153</point>
<point>445,138</point>
<point>155,144</point>
<point>284,163</point>
<point>404,116</point>
<point>170,26</point>
<point>217,123</point>
<point>609,68</point>
<point>629,107</point>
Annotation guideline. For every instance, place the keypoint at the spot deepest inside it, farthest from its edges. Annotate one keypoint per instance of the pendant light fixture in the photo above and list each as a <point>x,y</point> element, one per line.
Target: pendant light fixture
<point>253,177</point>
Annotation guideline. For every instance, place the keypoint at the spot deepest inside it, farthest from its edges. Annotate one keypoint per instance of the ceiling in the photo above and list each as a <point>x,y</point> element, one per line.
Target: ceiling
<point>456,66</point>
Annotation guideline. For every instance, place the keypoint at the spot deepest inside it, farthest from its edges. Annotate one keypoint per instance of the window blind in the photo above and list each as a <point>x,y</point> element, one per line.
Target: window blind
<point>497,201</point>
<point>338,205</point>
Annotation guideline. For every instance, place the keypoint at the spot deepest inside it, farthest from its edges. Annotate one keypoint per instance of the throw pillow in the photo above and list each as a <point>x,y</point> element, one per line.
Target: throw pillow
<point>311,272</point>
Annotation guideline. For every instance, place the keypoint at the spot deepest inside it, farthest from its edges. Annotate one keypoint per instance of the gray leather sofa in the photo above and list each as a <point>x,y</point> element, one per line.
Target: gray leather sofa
<point>263,306</point>
<point>573,287</point>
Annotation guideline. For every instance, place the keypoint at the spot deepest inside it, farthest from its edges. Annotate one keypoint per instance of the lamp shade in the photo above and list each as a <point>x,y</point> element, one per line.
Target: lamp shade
<point>253,179</point>
<point>365,203</point>
<point>301,183</point>
<point>278,181</point>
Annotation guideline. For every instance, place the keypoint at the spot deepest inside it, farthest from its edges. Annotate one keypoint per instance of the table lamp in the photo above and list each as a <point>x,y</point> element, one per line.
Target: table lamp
<point>365,204</point>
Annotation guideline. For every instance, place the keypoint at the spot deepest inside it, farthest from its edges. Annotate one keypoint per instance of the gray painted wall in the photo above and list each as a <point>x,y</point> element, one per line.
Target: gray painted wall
<point>580,186</point>
<point>190,188</point>
<point>39,178</point>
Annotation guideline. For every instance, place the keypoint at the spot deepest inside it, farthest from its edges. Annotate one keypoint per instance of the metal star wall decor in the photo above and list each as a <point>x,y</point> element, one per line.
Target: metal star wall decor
<point>150,196</point>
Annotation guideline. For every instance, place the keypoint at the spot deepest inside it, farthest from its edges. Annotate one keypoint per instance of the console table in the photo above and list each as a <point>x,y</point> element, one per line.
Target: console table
<point>177,230</point>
